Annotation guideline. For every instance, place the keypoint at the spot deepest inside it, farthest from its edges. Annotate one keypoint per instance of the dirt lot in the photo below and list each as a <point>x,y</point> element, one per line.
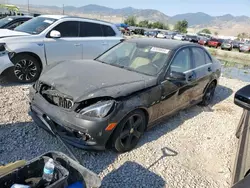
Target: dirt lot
<point>195,148</point>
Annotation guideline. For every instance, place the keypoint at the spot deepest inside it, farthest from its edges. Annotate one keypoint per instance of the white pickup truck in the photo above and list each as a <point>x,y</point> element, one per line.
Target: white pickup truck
<point>46,39</point>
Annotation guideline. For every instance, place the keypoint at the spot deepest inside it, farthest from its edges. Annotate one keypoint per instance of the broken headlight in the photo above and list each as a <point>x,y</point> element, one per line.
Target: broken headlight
<point>100,109</point>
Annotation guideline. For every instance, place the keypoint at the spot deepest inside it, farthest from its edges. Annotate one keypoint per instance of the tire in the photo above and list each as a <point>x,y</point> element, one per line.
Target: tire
<point>222,48</point>
<point>26,68</point>
<point>209,94</point>
<point>128,132</point>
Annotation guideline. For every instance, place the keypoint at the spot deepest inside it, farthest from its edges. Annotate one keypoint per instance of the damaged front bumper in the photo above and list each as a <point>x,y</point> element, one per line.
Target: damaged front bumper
<point>81,133</point>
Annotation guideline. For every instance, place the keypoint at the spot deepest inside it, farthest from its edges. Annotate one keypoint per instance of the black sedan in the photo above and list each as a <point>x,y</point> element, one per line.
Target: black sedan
<point>112,100</point>
<point>11,22</point>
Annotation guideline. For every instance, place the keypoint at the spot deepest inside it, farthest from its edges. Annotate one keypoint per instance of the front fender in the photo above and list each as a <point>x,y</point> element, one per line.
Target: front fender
<point>36,48</point>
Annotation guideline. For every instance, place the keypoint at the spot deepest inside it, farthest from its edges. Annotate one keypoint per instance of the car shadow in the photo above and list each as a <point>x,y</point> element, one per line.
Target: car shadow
<point>6,81</point>
<point>132,174</point>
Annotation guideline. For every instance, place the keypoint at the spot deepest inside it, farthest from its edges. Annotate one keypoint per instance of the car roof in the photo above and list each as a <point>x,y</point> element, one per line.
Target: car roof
<point>16,17</point>
<point>162,43</point>
<point>54,16</point>
<point>76,17</point>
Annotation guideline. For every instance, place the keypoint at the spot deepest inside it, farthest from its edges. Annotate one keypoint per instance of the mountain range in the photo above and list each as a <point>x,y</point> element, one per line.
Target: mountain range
<point>225,24</point>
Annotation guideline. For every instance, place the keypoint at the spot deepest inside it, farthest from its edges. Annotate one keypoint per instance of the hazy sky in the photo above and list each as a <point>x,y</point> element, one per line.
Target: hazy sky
<point>169,7</point>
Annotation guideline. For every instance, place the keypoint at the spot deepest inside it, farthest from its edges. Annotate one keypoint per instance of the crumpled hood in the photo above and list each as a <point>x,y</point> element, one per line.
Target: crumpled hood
<point>90,79</point>
<point>10,33</point>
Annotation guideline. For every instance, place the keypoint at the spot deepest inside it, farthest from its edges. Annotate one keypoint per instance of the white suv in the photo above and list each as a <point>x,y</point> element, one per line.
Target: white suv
<point>47,39</point>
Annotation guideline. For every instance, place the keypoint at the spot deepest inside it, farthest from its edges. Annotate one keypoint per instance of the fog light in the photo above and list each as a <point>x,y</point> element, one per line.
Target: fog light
<point>83,135</point>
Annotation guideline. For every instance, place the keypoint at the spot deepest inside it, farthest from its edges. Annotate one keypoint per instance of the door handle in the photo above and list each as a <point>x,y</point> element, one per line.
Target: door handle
<point>77,44</point>
<point>209,69</point>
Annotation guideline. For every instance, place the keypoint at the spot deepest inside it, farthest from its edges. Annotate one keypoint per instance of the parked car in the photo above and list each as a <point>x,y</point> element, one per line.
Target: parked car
<point>203,41</point>
<point>151,33</point>
<point>244,48</point>
<point>241,171</point>
<point>47,39</point>
<point>192,38</point>
<point>179,37</point>
<point>237,44</point>
<point>164,35</point>
<point>213,42</point>
<point>110,101</point>
<point>11,22</point>
<point>227,45</point>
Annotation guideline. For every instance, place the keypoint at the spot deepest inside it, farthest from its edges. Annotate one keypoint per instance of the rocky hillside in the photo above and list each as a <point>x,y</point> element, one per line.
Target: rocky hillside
<point>226,24</point>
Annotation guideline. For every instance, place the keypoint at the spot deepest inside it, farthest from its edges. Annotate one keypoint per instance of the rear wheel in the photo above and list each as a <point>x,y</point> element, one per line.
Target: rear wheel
<point>209,94</point>
<point>26,68</point>
<point>129,131</point>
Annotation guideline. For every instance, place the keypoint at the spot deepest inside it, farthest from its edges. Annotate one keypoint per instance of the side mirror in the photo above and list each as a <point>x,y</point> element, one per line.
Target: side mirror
<point>55,34</point>
<point>179,76</point>
<point>242,97</point>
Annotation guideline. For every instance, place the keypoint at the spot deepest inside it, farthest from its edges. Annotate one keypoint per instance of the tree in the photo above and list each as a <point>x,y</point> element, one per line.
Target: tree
<point>181,26</point>
<point>242,35</point>
<point>143,23</point>
<point>166,27</point>
<point>131,21</point>
<point>157,25</point>
<point>207,31</point>
<point>216,33</point>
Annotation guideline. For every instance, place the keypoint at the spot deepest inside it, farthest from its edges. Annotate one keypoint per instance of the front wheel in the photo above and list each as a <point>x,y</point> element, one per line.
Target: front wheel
<point>129,131</point>
<point>209,95</point>
<point>26,68</point>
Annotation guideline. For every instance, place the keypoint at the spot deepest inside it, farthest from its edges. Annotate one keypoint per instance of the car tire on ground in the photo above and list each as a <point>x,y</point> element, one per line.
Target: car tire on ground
<point>26,68</point>
<point>129,131</point>
<point>208,95</point>
<point>222,48</point>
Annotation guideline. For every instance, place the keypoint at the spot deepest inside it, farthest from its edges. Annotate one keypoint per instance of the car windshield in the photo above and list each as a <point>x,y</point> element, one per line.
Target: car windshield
<point>4,21</point>
<point>136,57</point>
<point>36,25</point>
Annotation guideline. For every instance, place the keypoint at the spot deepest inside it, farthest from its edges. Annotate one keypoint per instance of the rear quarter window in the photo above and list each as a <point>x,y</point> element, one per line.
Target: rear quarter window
<point>208,58</point>
<point>108,31</point>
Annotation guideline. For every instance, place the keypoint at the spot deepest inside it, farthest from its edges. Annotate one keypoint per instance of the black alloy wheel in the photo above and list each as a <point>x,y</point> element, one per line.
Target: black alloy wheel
<point>129,131</point>
<point>26,68</point>
<point>209,94</point>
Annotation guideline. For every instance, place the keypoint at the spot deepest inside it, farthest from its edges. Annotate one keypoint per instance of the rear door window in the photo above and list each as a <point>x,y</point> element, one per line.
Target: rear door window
<point>208,58</point>
<point>199,57</point>
<point>88,29</point>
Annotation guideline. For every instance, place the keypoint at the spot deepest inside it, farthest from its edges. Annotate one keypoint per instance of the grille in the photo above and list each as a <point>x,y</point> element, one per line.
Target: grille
<point>56,98</point>
<point>63,102</point>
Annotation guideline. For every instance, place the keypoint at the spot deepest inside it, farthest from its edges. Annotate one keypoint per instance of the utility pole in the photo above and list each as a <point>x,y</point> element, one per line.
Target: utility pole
<point>63,10</point>
<point>28,6</point>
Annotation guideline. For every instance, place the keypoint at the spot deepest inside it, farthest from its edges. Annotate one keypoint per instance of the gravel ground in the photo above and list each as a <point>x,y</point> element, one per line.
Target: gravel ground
<point>195,148</point>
